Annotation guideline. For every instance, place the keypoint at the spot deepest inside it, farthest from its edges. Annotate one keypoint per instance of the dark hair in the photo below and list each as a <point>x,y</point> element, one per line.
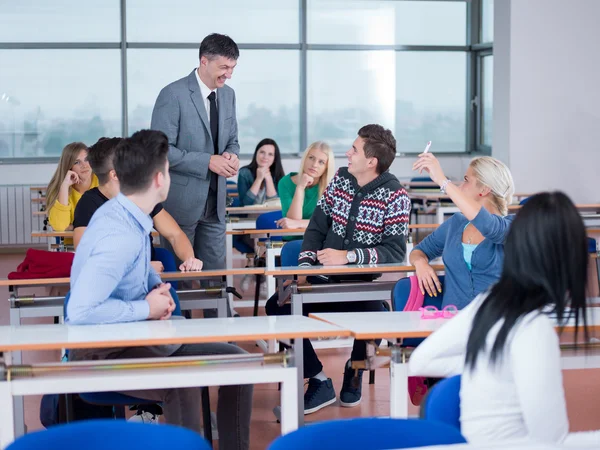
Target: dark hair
<point>100,157</point>
<point>545,264</point>
<point>379,143</point>
<point>276,168</point>
<point>138,158</point>
<point>219,45</point>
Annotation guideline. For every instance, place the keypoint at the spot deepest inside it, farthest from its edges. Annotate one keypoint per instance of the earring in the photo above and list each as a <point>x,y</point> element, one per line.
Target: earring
<point>480,194</point>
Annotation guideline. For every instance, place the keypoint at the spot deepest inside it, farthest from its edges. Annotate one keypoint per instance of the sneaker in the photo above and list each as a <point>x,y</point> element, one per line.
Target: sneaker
<point>351,392</point>
<point>318,395</point>
<point>245,284</point>
<point>144,417</point>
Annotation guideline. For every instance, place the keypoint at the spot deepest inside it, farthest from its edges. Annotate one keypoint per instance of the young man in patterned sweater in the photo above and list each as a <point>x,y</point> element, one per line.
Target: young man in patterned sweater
<point>362,218</point>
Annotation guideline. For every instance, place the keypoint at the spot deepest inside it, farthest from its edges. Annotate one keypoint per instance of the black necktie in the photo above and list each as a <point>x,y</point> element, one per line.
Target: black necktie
<point>214,121</point>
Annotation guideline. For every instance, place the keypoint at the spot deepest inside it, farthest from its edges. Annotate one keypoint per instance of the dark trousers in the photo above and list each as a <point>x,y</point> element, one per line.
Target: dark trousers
<point>312,365</point>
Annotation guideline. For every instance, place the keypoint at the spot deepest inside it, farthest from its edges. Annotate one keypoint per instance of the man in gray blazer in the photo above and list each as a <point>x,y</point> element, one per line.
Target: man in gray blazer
<point>197,113</point>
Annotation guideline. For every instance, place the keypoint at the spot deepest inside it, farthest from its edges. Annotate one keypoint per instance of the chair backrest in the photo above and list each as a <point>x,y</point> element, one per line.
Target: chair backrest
<point>402,290</point>
<point>421,180</point>
<point>290,252</point>
<point>525,200</point>
<point>592,245</point>
<point>371,433</point>
<point>113,434</point>
<point>442,404</point>
<point>267,221</point>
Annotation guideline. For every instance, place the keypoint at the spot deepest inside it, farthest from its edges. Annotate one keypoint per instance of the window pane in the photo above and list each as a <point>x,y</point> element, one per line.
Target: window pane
<point>487,105</point>
<point>259,21</point>
<point>420,96</point>
<point>431,101</point>
<point>346,90</point>
<point>60,21</point>
<point>49,98</point>
<point>487,20</point>
<point>386,23</point>
<point>267,100</point>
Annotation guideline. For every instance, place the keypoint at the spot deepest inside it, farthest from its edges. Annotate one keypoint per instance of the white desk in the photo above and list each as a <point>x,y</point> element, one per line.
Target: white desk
<point>49,337</point>
<point>399,325</point>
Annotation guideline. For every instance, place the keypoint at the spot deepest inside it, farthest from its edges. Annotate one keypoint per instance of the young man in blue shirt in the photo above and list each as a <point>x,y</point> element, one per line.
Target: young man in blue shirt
<point>112,281</point>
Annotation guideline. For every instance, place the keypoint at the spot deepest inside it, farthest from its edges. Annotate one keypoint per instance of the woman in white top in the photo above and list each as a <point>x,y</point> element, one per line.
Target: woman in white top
<point>504,343</point>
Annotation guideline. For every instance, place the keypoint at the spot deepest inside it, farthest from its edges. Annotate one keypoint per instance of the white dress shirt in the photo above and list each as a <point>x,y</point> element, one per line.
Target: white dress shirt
<point>205,93</point>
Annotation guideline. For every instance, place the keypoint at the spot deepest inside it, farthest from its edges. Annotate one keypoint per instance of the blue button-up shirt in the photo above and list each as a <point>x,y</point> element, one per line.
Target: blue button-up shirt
<point>111,273</point>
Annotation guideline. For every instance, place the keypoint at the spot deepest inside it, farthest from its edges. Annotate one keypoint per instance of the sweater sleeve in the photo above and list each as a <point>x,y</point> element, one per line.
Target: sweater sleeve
<point>286,194</point>
<point>59,216</point>
<point>392,248</point>
<point>492,227</point>
<point>318,227</point>
<point>433,245</point>
<point>536,367</point>
<point>245,181</point>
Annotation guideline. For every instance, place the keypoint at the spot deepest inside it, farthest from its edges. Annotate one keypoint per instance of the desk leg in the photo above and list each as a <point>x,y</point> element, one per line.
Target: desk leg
<point>7,418</point>
<point>16,358</point>
<point>299,359</point>
<point>289,409</point>
<point>440,215</point>
<point>399,390</point>
<point>229,265</point>
<point>270,264</point>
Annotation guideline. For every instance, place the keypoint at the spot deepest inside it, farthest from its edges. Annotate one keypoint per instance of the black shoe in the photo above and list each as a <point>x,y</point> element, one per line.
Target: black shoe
<point>318,395</point>
<point>351,392</point>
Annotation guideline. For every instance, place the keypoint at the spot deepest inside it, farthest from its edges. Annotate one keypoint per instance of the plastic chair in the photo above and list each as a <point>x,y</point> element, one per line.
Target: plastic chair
<point>119,401</point>
<point>525,200</point>
<point>592,245</point>
<point>442,404</point>
<point>290,252</point>
<point>113,434</point>
<point>400,294</point>
<point>170,265</point>
<point>371,433</point>
<point>266,221</point>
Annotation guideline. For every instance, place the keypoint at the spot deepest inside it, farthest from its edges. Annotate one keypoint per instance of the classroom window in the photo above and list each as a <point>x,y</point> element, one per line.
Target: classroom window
<point>487,21</point>
<point>267,100</point>
<point>49,98</point>
<point>487,77</point>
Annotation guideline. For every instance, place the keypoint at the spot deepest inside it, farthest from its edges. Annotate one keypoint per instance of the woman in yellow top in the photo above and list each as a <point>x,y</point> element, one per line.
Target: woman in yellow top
<point>72,178</point>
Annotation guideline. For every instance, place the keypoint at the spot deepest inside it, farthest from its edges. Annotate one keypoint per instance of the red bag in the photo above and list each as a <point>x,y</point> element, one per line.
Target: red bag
<point>43,264</point>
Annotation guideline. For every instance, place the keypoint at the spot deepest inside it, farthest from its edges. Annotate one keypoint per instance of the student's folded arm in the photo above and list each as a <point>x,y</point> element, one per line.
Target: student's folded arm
<point>536,367</point>
<point>245,181</point>
<point>59,216</point>
<point>168,228</point>
<point>166,117</point>
<point>442,354</point>
<point>317,229</point>
<point>492,227</point>
<point>90,299</point>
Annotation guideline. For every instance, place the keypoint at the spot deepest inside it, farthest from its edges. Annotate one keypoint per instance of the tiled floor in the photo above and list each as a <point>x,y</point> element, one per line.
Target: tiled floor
<point>582,387</point>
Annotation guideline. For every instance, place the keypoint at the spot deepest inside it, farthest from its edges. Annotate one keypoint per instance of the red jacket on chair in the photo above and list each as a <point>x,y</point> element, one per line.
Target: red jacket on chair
<point>43,264</point>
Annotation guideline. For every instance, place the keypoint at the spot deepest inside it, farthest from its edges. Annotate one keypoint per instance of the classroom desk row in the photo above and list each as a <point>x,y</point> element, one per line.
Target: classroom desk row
<point>18,380</point>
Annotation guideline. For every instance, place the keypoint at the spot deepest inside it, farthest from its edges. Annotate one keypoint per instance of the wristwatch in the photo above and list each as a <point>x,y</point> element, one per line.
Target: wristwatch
<point>351,256</point>
<point>444,185</point>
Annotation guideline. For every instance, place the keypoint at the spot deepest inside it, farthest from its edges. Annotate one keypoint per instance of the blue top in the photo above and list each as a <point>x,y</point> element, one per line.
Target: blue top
<point>111,273</point>
<point>462,285</point>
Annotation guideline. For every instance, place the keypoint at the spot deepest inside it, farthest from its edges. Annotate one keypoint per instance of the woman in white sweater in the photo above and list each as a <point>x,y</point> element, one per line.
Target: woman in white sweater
<point>504,343</point>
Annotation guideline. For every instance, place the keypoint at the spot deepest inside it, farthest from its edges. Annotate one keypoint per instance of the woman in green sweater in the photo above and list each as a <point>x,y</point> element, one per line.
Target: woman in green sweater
<point>300,192</point>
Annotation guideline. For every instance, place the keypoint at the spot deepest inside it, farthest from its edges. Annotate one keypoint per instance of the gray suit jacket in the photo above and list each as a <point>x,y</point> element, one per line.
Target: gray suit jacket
<point>179,112</point>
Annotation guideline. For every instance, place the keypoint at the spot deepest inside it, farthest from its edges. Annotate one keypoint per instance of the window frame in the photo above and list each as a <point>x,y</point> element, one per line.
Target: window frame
<point>473,49</point>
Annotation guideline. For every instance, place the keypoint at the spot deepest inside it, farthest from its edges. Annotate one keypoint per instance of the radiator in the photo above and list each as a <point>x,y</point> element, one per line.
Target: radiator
<point>16,216</point>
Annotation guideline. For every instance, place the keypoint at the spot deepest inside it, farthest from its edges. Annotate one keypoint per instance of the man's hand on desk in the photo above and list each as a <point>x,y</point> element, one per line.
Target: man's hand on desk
<point>331,257</point>
<point>191,265</point>
<point>160,302</point>
<point>224,166</point>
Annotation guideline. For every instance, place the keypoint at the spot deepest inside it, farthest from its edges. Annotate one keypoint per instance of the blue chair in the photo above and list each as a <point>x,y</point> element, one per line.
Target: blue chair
<point>370,433</point>
<point>112,434</point>
<point>266,221</point>
<point>525,200</point>
<point>119,401</point>
<point>592,245</point>
<point>170,265</point>
<point>442,403</point>
<point>231,187</point>
<point>400,294</point>
<point>290,252</point>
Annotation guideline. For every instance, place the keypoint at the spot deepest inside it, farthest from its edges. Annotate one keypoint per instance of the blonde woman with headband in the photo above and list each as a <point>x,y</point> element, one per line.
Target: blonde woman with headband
<point>471,243</point>
<point>300,192</point>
